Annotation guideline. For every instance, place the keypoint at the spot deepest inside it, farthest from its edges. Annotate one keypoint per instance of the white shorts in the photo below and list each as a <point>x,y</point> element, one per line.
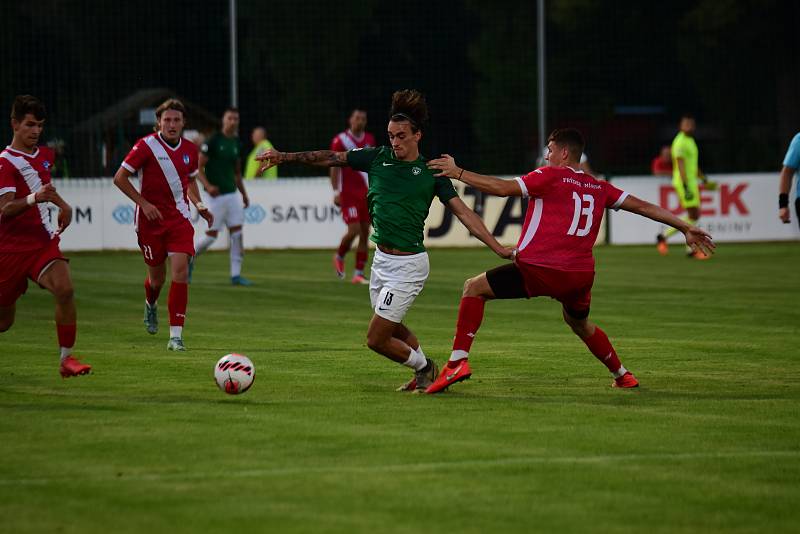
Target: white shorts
<point>394,283</point>
<point>227,209</point>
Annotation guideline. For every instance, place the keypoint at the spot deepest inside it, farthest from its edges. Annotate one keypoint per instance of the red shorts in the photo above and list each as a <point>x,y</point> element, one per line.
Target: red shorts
<point>159,240</point>
<point>17,267</point>
<point>354,209</point>
<point>573,289</point>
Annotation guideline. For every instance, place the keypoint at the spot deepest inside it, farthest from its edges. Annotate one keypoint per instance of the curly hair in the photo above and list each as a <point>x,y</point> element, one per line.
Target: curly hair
<point>409,105</point>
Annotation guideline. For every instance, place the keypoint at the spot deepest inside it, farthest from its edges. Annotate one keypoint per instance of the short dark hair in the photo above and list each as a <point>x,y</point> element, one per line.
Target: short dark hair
<point>27,104</point>
<point>687,115</point>
<point>570,138</point>
<point>230,109</point>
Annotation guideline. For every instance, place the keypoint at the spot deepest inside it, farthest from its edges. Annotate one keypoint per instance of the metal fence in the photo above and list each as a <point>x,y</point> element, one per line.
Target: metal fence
<point>622,71</point>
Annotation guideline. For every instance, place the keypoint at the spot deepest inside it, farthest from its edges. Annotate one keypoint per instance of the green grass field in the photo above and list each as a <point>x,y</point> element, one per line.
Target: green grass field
<point>536,441</point>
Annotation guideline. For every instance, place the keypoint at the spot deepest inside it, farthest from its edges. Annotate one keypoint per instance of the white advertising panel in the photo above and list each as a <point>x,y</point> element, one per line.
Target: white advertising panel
<point>744,207</point>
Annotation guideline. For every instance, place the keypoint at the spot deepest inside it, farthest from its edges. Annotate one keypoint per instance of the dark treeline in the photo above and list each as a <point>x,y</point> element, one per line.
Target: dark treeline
<point>620,70</point>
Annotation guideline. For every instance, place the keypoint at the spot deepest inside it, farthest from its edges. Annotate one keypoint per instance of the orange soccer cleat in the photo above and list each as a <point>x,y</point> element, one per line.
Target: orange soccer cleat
<point>661,245</point>
<point>625,381</point>
<point>451,373</point>
<point>73,367</point>
<point>359,279</point>
<point>338,266</point>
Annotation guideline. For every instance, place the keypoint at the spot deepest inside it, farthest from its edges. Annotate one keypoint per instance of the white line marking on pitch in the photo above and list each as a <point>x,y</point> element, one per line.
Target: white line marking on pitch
<point>360,469</point>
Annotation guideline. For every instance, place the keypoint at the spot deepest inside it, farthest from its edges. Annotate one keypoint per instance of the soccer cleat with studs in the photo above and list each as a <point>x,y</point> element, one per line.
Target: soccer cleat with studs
<point>452,373</point>
<point>73,367</point>
<point>625,381</point>
<point>176,344</point>
<point>151,318</point>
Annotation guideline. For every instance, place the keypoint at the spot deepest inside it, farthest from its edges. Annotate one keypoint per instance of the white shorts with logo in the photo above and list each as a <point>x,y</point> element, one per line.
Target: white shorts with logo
<point>394,283</point>
<point>227,209</point>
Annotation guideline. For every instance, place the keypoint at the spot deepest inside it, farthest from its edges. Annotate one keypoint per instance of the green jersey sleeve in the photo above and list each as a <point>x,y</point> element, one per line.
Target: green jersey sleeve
<point>361,159</point>
<point>208,147</point>
<point>444,189</point>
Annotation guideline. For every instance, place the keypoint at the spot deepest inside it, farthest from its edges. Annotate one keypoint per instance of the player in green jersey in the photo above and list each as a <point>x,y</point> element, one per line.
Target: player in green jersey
<point>401,189</point>
<point>221,176</point>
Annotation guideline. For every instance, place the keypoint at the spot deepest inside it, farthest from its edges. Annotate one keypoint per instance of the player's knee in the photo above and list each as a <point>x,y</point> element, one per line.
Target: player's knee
<point>472,287</point>
<point>64,293</point>
<point>375,342</point>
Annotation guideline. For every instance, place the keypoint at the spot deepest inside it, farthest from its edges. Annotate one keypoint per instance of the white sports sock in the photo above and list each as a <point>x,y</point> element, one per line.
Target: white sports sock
<point>619,372</point>
<point>458,355</point>
<point>237,253</point>
<point>65,352</point>
<point>176,331</point>
<point>416,360</point>
<point>203,244</point>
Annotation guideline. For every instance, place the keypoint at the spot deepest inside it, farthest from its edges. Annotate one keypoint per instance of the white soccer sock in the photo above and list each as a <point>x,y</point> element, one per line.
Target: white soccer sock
<point>176,331</point>
<point>65,352</point>
<point>619,372</point>
<point>237,253</point>
<point>203,244</point>
<point>458,355</point>
<point>416,360</point>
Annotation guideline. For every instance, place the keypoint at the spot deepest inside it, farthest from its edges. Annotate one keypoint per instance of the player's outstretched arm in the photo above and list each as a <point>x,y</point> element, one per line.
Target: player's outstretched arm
<point>447,167</point>
<point>320,158</point>
<point>695,237</point>
<point>476,227</point>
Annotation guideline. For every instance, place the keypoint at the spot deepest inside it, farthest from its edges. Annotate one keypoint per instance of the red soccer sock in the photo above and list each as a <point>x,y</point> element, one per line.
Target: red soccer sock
<point>361,260</point>
<point>470,316</point>
<point>150,293</point>
<point>178,299</point>
<point>66,335</point>
<point>602,349</point>
<point>341,251</point>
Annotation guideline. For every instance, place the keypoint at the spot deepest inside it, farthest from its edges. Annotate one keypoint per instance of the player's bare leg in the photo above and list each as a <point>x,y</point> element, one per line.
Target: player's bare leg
<point>381,338</point>
<point>345,244</point>
<point>7,315</point>
<point>361,253</point>
<point>470,315</point>
<point>402,333</point>
<point>237,257</point>
<point>178,299</point>
<point>56,279</point>
<point>599,345</point>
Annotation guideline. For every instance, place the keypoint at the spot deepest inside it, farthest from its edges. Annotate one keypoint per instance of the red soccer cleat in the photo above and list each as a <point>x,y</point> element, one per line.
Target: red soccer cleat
<point>625,381</point>
<point>338,266</point>
<point>359,280</point>
<point>72,367</point>
<point>451,373</point>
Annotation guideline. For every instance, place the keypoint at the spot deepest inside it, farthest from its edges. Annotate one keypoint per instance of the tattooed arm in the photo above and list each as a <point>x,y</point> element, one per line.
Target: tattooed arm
<point>321,158</point>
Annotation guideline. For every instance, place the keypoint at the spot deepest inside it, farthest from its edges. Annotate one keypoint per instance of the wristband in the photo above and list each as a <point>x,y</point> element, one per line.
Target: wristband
<point>31,199</point>
<point>200,206</point>
<point>460,174</point>
<point>783,200</point>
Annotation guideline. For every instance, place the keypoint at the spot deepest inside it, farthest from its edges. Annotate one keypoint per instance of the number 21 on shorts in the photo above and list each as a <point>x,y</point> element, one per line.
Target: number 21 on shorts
<point>584,205</point>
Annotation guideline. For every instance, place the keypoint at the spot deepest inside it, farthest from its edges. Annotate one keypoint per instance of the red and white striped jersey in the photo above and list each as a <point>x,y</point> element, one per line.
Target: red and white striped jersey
<point>164,171</point>
<point>352,183</point>
<point>23,174</point>
<point>565,210</point>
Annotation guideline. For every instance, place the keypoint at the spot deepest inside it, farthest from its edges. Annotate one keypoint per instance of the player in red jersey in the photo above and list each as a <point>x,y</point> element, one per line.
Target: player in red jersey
<point>350,194</point>
<point>28,240</point>
<point>167,165</point>
<point>554,253</point>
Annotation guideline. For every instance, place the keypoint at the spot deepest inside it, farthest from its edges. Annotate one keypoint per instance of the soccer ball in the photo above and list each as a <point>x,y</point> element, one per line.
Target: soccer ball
<point>234,373</point>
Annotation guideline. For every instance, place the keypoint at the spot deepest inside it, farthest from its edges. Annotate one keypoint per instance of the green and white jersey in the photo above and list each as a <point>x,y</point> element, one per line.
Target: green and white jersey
<point>399,196</point>
<point>223,155</point>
